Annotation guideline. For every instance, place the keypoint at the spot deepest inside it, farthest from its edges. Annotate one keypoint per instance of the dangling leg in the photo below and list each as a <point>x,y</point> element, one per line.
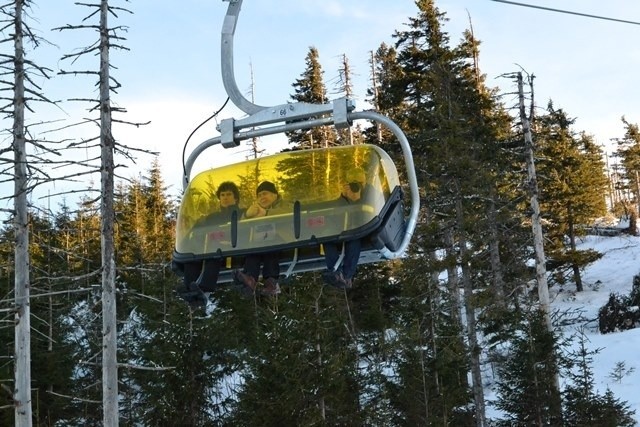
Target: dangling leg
<point>192,271</point>
<point>209,277</point>
<point>331,255</point>
<point>334,256</point>
<point>350,262</point>
<point>189,291</point>
<point>271,273</point>
<point>249,277</point>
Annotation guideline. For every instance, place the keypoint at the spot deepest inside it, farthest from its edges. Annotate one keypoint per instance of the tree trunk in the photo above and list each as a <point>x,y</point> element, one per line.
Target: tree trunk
<point>470,314</point>
<point>494,251</point>
<point>453,280</point>
<point>423,370</point>
<point>633,223</point>
<point>109,326</point>
<point>572,246</point>
<point>433,254</point>
<point>536,225</point>
<point>22,390</point>
<point>633,228</point>
<point>321,400</point>
<point>376,104</point>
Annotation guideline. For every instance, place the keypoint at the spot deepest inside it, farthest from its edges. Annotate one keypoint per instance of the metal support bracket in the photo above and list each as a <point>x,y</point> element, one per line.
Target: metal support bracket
<point>226,128</point>
<point>291,114</point>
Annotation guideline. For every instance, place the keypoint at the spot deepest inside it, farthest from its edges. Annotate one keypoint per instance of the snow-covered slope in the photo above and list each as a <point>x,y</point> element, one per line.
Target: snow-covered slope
<point>614,272</point>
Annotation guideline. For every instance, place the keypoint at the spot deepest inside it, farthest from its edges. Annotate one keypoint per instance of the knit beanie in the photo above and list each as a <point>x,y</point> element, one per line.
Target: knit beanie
<point>267,186</point>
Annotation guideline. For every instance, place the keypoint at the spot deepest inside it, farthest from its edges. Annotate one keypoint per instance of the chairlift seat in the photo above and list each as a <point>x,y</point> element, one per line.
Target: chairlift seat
<point>308,179</point>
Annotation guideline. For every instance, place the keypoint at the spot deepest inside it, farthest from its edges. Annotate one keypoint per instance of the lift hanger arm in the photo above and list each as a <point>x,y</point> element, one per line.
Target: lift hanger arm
<point>262,121</point>
<point>226,48</point>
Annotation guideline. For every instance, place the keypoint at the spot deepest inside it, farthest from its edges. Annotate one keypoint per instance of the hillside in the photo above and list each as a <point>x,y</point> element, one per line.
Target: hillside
<point>613,273</point>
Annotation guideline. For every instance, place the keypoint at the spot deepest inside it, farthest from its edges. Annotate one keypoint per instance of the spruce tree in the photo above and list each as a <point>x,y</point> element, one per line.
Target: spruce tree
<point>429,362</point>
<point>629,182</point>
<point>573,185</point>
<point>526,390</point>
<point>83,320</point>
<point>583,406</point>
<point>416,91</point>
<point>301,364</point>
<point>310,88</point>
<point>52,362</point>
<point>455,125</point>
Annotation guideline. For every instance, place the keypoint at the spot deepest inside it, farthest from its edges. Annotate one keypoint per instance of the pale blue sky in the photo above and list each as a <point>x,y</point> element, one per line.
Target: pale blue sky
<point>171,75</point>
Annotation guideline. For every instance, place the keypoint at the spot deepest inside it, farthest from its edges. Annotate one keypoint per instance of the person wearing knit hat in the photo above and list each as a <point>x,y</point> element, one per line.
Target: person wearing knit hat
<point>266,186</point>
<point>268,202</point>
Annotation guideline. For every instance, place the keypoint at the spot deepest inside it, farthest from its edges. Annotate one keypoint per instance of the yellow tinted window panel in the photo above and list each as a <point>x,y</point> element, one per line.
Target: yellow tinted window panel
<point>312,180</point>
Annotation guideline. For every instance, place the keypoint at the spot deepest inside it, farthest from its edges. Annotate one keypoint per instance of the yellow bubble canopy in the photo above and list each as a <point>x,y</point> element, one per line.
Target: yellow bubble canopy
<point>308,183</point>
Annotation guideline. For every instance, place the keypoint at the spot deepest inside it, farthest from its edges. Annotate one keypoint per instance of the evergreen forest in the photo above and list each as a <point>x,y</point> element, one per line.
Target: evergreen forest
<point>416,339</point>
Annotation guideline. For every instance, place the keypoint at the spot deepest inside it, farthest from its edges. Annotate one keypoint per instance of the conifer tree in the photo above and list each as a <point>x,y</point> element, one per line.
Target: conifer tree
<point>573,186</point>
<point>7,285</point>
<point>310,88</point>
<point>583,406</point>
<point>429,363</point>
<point>191,362</point>
<point>82,320</point>
<point>302,367</point>
<point>161,215</point>
<point>629,153</point>
<point>454,125</point>
<point>144,233</point>
<point>51,358</point>
<point>527,393</point>
<point>373,302</point>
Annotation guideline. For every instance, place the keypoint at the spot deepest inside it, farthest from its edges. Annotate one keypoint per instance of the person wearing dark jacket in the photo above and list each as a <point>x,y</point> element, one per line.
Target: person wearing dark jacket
<point>202,276</point>
<point>268,202</point>
<point>341,276</point>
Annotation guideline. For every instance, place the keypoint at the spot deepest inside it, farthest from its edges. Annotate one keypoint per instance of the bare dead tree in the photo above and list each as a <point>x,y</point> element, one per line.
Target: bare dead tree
<point>22,387</point>
<point>376,93</point>
<point>344,85</point>
<point>536,224</point>
<point>107,145</point>
<point>114,41</point>
<point>109,38</point>
<point>17,95</point>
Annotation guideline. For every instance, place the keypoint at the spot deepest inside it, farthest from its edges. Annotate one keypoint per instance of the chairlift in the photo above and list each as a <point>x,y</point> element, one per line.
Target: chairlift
<point>384,219</point>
